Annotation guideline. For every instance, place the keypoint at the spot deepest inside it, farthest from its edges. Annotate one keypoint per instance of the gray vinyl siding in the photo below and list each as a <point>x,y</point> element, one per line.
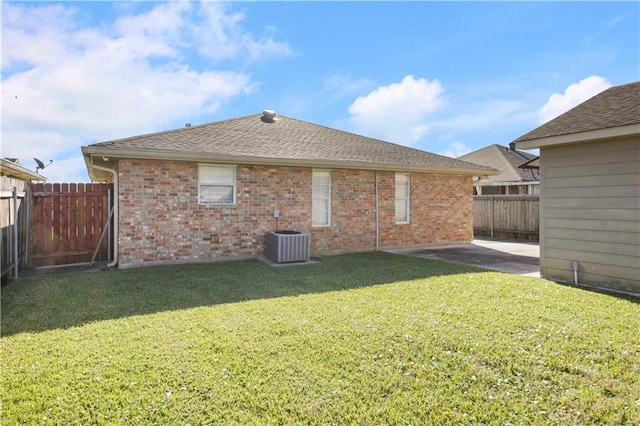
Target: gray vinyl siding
<point>590,213</point>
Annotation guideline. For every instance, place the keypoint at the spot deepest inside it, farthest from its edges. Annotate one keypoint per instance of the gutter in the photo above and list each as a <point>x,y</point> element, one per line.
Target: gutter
<point>115,209</point>
<point>274,161</point>
<point>11,169</point>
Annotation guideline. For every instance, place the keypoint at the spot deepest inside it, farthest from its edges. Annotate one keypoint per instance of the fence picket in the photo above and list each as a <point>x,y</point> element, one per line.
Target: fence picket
<point>507,216</point>
<point>66,223</point>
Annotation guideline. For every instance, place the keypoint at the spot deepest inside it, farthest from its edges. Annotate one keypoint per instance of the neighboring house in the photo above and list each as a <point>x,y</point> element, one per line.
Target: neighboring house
<point>15,182</point>
<point>210,191</point>
<point>590,191</point>
<point>512,180</point>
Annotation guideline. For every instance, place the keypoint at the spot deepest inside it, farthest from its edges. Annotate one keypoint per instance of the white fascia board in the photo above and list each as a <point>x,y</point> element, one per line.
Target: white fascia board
<point>591,136</point>
<point>269,161</point>
<point>506,183</point>
<point>11,169</point>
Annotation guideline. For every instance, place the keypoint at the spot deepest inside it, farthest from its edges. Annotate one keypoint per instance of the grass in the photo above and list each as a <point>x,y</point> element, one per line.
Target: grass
<point>358,339</point>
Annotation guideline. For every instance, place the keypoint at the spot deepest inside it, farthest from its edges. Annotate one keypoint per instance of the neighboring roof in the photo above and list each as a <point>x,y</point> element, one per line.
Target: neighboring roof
<point>11,167</point>
<point>504,159</point>
<point>612,113</point>
<point>284,141</point>
<point>531,164</point>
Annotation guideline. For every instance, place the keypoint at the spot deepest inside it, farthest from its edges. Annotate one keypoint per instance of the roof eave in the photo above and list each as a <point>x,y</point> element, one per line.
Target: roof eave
<point>111,153</point>
<point>20,172</point>
<point>96,175</point>
<point>505,183</point>
<point>590,136</point>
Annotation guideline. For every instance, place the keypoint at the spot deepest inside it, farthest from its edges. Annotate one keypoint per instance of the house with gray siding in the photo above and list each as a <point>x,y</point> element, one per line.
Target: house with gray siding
<point>590,191</point>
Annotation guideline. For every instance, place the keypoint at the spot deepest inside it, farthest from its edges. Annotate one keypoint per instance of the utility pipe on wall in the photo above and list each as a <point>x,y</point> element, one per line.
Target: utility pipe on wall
<point>574,267</point>
<point>110,210</point>
<point>377,217</point>
<point>115,211</point>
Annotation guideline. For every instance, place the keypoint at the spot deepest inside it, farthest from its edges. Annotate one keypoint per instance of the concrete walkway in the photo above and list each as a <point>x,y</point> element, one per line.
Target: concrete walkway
<point>515,257</point>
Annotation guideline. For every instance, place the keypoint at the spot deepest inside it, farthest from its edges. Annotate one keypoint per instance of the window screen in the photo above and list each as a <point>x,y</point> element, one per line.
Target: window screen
<point>321,202</point>
<point>216,184</point>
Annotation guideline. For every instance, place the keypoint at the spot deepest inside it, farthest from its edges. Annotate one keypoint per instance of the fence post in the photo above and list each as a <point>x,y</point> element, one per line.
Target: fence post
<point>16,253</point>
<point>491,214</point>
<point>27,201</point>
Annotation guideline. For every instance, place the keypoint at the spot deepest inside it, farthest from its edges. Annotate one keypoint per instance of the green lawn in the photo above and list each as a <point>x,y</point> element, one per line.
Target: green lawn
<point>362,339</point>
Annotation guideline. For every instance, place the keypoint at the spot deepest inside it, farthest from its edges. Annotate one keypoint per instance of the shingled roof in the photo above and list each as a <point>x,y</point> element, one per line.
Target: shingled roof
<point>504,159</point>
<point>616,107</point>
<point>285,141</point>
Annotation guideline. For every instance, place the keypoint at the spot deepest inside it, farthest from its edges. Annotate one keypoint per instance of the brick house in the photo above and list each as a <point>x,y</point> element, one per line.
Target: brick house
<point>513,179</point>
<point>207,192</point>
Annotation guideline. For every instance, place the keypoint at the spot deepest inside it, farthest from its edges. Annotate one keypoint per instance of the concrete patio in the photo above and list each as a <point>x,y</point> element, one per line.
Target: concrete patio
<point>515,257</point>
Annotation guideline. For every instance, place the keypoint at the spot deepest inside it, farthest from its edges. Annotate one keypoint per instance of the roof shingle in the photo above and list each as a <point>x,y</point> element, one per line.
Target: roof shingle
<point>614,107</point>
<point>504,159</point>
<point>286,139</point>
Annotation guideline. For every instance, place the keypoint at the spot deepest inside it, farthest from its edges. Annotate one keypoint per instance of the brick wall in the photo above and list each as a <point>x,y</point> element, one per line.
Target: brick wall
<point>441,210</point>
<point>161,221</point>
<point>353,226</point>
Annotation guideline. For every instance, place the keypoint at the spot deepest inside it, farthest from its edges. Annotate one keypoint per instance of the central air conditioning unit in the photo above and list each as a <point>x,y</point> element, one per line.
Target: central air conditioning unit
<point>287,246</point>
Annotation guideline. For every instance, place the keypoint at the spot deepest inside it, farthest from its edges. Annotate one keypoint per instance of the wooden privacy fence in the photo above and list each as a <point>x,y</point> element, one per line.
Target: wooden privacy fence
<point>67,223</point>
<point>14,214</point>
<point>507,216</point>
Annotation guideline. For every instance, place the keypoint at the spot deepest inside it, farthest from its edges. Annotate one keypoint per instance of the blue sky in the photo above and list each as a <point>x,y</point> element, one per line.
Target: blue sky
<point>445,77</point>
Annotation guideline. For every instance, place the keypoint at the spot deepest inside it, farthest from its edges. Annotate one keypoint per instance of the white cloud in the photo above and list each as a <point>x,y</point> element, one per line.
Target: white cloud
<point>398,112</point>
<point>340,85</point>
<point>480,117</point>
<point>575,94</point>
<point>65,85</point>
<point>222,36</point>
<point>455,150</point>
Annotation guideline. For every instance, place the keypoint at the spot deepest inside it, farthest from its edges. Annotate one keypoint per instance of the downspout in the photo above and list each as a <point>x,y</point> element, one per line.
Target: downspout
<point>377,217</point>
<point>115,211</point>
<point>574,268</point>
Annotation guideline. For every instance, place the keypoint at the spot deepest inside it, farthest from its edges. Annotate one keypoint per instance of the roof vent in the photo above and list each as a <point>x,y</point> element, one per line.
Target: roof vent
<point>187,125</point>
<point>269,116</point>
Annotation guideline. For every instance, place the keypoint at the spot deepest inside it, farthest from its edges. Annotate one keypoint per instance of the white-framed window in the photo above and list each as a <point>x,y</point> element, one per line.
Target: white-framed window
<point>216,184</point>
<point>321,200</point>
<point>403,199</point>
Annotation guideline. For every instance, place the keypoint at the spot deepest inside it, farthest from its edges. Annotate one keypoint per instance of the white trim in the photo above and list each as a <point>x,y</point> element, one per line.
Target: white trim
<point>13,170</point>
<point>590,136</point>
<point>269,161</point>
<point>234,188</point>
<point>407,199</point>
<point>328,198</point>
